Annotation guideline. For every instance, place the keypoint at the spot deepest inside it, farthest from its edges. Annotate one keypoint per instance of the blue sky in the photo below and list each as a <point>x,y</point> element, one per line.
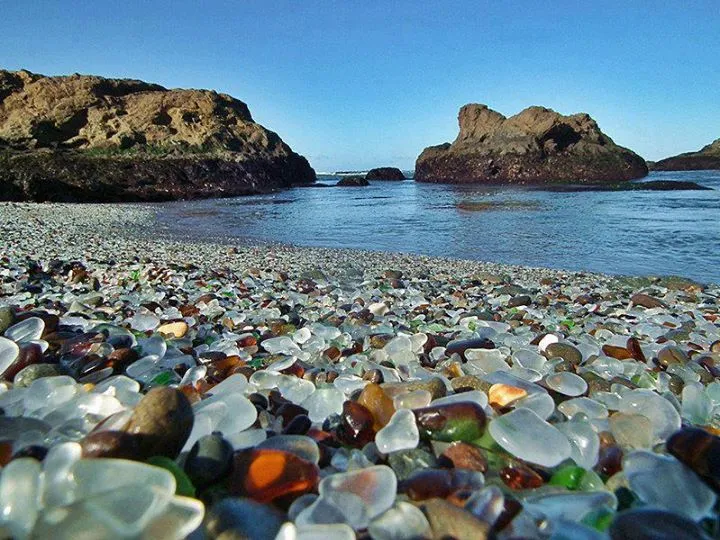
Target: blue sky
<point>356,84</point>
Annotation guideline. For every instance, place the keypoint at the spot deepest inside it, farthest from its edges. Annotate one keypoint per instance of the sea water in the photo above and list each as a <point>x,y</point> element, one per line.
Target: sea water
<point>626,232</point>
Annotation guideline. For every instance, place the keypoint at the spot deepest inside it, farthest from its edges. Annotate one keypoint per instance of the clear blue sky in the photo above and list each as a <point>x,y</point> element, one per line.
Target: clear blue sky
<point>355,84</point>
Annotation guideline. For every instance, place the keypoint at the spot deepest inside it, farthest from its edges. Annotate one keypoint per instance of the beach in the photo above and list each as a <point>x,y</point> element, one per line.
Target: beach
<point>494,315</point>
<point>305,374</point>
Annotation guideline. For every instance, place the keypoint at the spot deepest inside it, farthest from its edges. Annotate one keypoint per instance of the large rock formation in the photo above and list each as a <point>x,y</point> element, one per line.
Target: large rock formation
<point>707,158</point>
<point>87,138</point>
<point>535,146</point>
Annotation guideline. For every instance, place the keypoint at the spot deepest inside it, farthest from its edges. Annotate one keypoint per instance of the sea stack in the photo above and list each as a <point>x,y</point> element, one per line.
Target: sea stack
<point>91,139</point>
<point>385,173</point>
<point>706,158</point>
<point>536,146</point>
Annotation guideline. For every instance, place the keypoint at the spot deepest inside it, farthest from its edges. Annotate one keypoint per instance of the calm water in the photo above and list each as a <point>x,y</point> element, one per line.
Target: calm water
<point>634,233</point>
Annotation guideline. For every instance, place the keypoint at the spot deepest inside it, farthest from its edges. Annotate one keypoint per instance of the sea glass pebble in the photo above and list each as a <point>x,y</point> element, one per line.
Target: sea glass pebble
<point>567,384</point>
<point>527,436</point>
<point>400,433</point>
<point>664,482</point>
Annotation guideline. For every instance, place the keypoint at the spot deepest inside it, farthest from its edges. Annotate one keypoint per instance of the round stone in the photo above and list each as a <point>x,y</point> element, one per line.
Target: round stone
<point>209,460</point>
<point>144,321</point>
<point>583,405</point>
<point>542,404</point>
<point>162,421</point>
<point>412,400</point>
<point>564,350</point>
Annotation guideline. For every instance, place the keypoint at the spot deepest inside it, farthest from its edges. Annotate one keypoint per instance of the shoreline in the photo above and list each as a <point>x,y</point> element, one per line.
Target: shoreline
<point>124,231</point>
<point>133,223</point>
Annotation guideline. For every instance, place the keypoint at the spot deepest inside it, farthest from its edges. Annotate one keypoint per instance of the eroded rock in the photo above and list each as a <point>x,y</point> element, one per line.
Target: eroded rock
<point>536,146</point>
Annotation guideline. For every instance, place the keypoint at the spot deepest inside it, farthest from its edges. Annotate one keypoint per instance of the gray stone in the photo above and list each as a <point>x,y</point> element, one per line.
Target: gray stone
<point>564,351</point>
<point>209,459</point>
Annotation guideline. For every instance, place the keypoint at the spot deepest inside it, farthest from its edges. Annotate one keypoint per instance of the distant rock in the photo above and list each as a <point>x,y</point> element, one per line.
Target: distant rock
<point>87,138</point>
<point>705,159</point>
<point>353,181</point>
<point>536,146</point>
<point>385,173</point>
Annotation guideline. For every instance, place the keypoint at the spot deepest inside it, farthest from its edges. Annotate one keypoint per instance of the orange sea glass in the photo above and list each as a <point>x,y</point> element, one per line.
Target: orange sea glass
<point>502,395</point>
<point>266,474</point>
<point>374,399</point>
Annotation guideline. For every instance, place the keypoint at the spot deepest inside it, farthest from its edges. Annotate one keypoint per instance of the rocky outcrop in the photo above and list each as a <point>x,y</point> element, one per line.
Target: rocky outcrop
<point>88,138</point>
<point>385,173</point>
<point>707,158</point>
<point>536,146</point>
<point>353,181</point>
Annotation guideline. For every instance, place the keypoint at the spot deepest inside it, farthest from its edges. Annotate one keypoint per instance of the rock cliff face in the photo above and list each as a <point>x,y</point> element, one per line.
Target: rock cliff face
<point>707,158</point>
<point>94,139</point>
<point>535,146</point>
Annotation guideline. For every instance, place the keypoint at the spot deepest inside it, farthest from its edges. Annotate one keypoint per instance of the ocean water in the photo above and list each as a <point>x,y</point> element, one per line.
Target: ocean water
<point>629,233</point>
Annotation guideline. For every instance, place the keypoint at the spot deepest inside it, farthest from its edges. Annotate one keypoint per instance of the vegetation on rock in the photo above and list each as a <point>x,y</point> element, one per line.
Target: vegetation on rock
<point>94,139</point>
